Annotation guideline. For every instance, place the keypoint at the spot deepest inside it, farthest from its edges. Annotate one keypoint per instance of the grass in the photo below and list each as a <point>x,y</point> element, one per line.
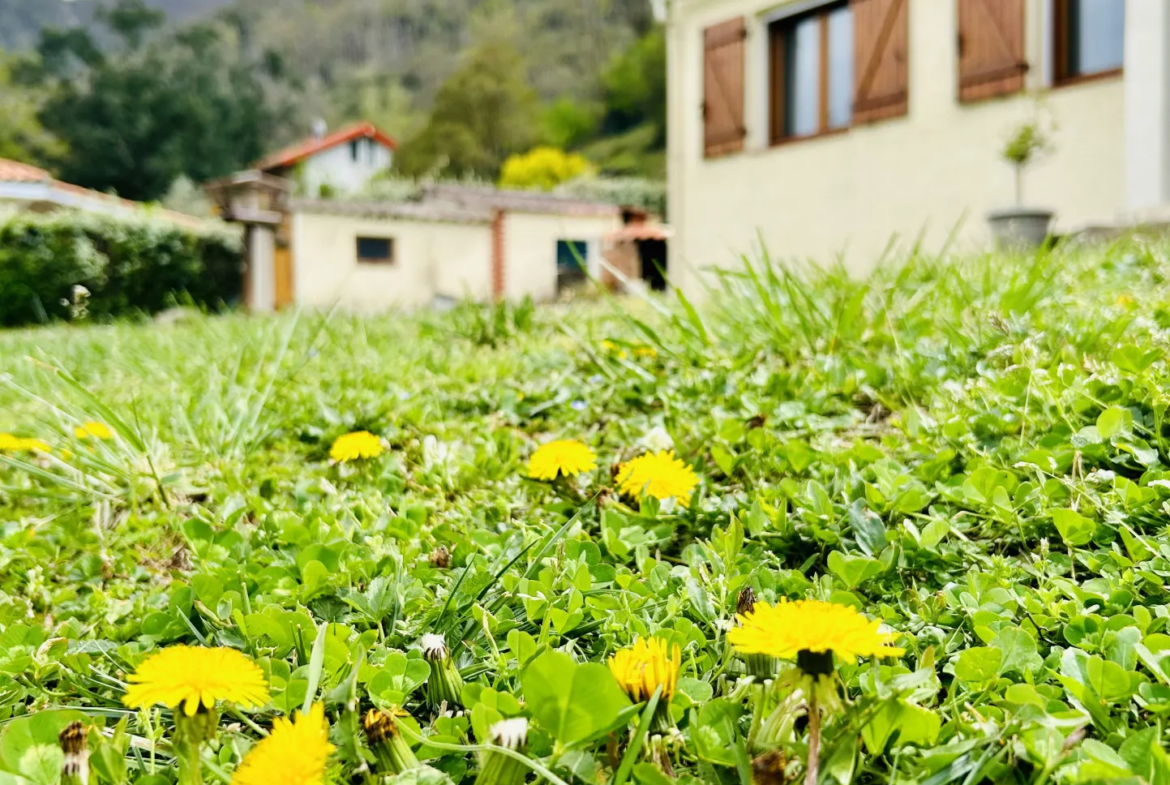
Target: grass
<point>972,451</point>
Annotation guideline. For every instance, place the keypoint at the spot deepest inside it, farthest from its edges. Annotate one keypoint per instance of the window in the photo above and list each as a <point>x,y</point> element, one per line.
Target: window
<point>812,73</point>
<point>375,250</point>
<point>353,149</point>
<point>1090,36</point>
<point>572,262</point>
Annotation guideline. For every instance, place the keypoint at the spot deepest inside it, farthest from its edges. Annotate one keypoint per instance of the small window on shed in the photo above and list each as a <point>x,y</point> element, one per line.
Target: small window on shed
<point>572,262</point>
<point>353,149</point>
<point>375,250</point>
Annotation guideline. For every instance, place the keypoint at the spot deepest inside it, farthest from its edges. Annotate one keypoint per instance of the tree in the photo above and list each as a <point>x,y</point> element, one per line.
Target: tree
<point>154,108</point>
<point>635,86</point>
<point>22,138</point>
<point>484,112</point>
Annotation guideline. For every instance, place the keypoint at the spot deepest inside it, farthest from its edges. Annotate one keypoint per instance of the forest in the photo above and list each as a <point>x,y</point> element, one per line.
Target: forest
<point>140,97</point>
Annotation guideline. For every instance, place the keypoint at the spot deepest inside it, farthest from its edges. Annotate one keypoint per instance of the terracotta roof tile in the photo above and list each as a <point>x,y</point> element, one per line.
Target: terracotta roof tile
<point>302,150</point>
<point>16,172</point>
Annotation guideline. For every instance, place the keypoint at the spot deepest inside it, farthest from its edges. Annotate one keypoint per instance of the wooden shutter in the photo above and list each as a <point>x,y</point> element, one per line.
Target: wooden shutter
<point>881,40</point>
<point>991,48</point>
<point>723,86</point>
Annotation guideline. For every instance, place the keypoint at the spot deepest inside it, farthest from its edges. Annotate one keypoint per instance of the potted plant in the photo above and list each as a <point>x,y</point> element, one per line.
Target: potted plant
<point>1020,226</point>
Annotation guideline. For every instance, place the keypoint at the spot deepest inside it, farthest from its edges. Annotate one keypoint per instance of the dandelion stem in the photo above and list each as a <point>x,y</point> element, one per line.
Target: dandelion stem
<point>814,739</point>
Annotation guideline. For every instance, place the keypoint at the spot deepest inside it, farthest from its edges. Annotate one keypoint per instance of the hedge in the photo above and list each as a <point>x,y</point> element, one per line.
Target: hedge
<point>130,265</point>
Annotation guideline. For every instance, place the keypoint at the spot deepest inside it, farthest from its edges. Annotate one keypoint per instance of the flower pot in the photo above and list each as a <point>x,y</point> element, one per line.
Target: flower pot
<point>1020,227</point>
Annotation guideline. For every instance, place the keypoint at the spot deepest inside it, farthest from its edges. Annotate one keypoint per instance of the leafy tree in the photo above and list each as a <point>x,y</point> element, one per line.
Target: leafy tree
<point>542,168</point>
<point>484,112</point>
<point>22,138</point>
<point>635,87</point>
<point>151,110</point>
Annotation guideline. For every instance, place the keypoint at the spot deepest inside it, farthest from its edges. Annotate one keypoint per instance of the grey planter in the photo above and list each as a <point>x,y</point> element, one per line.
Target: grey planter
<point>1020,227</point>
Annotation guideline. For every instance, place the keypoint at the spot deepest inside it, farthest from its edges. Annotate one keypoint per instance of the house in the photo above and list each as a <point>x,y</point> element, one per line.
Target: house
<point>26,187</point>
<point>825,127</point>
<point>327,164</point>
<point>454,242</point>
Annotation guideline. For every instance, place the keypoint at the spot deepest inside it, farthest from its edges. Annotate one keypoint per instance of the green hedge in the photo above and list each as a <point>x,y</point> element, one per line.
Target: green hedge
<point>141,264</point>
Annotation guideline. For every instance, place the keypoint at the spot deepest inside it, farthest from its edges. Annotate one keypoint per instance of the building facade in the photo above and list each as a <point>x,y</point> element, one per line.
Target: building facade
<point>845,129</point>
<point>333,164</point>
<point>452,243</point>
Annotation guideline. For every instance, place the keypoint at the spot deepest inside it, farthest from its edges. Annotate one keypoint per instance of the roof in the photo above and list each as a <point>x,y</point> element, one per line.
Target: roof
<point>409,211</point>
<point>310,147</point>
<point>488,198</point>
<point>638,232</point>
<point>16,172</point>
<point>31,184</point>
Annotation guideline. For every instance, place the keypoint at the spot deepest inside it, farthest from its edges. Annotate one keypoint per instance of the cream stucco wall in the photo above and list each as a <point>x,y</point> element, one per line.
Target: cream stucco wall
<point>430,258</point>
<point>530,249</point>
<point>918,176</point>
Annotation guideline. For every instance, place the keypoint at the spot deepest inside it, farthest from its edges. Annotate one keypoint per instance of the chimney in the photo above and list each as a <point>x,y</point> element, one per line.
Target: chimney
<point>320,128</point>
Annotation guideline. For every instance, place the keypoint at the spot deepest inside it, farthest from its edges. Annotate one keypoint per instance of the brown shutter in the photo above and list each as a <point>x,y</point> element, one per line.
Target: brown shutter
<point>881,39</point>
<point>991,48</point>
<point>723,71</point>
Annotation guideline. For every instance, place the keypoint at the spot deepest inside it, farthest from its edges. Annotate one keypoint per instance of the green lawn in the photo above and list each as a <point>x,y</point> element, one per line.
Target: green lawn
<point>973,453</point>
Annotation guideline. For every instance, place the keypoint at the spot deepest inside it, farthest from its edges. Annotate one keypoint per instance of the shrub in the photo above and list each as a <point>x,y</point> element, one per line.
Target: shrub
<point>542,168</point>
<point>127,264</point>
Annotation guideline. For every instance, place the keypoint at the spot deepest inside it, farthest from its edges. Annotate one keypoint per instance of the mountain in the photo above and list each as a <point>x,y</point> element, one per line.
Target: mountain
<point>21,21</point>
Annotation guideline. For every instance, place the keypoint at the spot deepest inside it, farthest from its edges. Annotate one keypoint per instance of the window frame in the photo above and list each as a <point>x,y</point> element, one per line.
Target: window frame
<point>1061,33</point>
<point>389,260</point>
<point>778,31</point>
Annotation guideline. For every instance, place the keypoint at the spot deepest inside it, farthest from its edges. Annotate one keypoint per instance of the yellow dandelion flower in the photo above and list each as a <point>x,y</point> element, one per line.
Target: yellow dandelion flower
<point>10,443</point>
<point>356,446</point>
<point>93,430</point>
<point>295,753</point>
<point>1126,300</point>
<point>646,351</point>
<point>646,666</point>
<point>795,629</point>
<point>195,676</point>
<point>568,457</point>
<point>660,475</point>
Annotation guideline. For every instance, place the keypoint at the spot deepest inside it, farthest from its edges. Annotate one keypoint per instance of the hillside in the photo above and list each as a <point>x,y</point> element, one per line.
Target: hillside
<point>21,21</point>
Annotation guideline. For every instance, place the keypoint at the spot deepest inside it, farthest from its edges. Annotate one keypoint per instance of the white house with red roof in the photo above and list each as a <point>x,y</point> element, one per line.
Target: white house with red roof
<point>329,164</point>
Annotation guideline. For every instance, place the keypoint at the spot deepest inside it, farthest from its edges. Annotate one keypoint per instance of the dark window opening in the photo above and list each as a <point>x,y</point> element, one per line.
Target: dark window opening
<point>572,262</point>
<point>812,73</point>
<point>375,250</point>
<point>652,254</point>
<point>353,149</point>
<point>1090,38</point>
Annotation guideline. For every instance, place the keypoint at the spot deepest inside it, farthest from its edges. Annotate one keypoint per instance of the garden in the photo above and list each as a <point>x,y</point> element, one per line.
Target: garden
<point>907,529</point>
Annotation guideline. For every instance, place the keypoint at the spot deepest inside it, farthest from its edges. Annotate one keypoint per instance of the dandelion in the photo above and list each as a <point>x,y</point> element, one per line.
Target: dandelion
<point>196,677</point>
<point>391,750</point>
<point>566,457</point>
<point>295,753</point>
<point>75,766</point>
<point>812,632</point>
<point>93,430</point>
<point>356,446</point>
<point>659,475</point>
<point>498,768</point>
<point>760,666</point>
<point>445,684</point>
<point>645,667</point>
<point>10,443</point>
